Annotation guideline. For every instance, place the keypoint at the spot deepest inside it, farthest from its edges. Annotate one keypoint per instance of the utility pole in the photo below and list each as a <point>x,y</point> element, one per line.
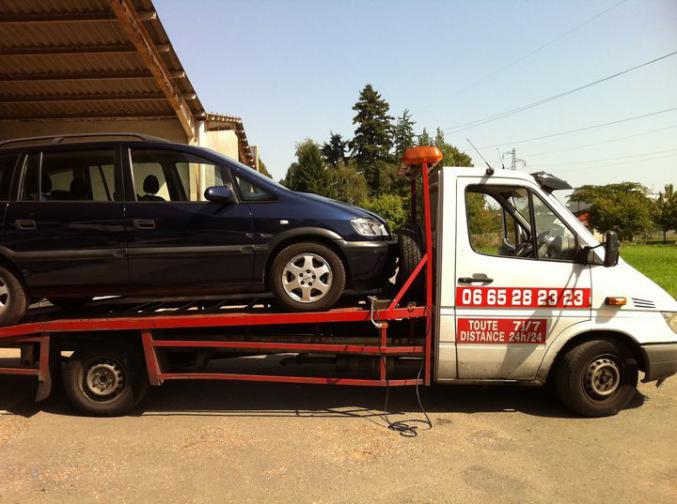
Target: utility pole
<point>514,160</point>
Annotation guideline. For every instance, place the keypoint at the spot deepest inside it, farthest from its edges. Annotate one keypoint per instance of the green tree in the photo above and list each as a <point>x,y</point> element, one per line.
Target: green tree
<point>403,136</point>
<point>263,170</point>
<point>373,135</point>
<point>424,138</point>
<point>348,184</point>
<point>623,207</point>
<point>664,210</point>
<point>309,173</point>
<point>392,207</point>
<point>334,151</point>
<point>452,156</point>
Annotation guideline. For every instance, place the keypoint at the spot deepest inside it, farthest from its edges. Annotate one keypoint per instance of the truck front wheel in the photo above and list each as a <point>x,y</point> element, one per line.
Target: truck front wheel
<point>105,379</point>
<point>597,378</point>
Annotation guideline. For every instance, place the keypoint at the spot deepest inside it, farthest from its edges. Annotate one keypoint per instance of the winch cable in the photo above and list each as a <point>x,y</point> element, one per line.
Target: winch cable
<point>405,427</point>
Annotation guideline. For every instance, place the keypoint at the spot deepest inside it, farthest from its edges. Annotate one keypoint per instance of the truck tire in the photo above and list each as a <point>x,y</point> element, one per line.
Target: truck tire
<point>597,378</point>
<point>106,379</point>
<point>13,299</point>
<point>307,277</point>
<point>410,253</point>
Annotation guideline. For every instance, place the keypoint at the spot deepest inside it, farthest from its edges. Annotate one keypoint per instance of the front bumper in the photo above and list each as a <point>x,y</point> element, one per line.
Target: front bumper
<point>370,263</point>
<point>661,360</point>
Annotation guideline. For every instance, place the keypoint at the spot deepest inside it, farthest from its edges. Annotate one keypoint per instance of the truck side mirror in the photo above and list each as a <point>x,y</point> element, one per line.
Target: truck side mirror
<point>219,194</point>
<point>612,246</point>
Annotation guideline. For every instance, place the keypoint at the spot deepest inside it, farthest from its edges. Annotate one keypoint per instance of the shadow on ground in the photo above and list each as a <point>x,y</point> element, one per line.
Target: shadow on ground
<point>249,400</point>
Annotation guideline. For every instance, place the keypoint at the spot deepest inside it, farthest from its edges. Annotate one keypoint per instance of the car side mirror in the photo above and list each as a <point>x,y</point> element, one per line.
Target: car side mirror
<point>612,247</point>
<point>219,194</point>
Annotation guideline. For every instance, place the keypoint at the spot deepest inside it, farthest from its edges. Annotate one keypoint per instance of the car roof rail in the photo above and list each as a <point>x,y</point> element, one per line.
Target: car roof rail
<point>57,139</point>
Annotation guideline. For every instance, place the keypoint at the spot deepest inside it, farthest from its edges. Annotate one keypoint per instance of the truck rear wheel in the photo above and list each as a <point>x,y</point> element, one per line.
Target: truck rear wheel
<point>106,379</point>
<point>597,378</point>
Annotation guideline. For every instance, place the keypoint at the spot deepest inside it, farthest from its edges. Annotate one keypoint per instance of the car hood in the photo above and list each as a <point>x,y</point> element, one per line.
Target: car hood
<point>351,209</point>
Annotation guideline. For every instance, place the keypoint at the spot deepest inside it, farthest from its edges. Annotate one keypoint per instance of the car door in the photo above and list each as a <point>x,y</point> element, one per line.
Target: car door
<point>65,230</point>
<point>177,239</point>
<point>518,283</point>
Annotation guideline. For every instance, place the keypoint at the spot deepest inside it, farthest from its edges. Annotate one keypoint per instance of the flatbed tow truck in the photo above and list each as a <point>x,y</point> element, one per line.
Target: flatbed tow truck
<point>462,315</point>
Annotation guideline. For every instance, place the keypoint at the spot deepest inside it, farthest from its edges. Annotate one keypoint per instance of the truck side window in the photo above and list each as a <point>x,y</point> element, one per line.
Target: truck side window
<point>498,218</point>
<point>555,240</point>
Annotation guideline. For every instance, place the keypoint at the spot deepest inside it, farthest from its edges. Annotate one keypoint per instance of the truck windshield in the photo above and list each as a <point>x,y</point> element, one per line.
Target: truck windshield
<point>583,232</point>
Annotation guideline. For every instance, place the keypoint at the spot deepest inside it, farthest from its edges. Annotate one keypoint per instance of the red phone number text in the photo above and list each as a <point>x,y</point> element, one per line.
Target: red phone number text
<point>522,297</point>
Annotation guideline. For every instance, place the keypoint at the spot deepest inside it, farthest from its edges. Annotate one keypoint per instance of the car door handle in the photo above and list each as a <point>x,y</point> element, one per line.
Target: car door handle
<point>144,223</point>
<point>476,278</point>
<point>25,224</point>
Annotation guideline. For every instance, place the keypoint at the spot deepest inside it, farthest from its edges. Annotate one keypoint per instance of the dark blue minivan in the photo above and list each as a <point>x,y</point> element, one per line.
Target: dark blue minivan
<point>95,215</point>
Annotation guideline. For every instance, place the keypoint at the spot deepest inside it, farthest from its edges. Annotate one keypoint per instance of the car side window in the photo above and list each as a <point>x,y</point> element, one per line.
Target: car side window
<point>70,176</point>
<point>498,220</point>
<point>162,175</point>
<point>249,191</point>
<point>7,164</point>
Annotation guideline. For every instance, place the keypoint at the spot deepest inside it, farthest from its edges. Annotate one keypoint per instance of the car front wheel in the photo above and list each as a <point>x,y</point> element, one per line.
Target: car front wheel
<point>307,277</point>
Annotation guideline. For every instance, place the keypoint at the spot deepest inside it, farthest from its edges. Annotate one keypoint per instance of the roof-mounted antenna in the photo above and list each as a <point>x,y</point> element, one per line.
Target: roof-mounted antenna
<point>500,157</point>
<point>490,170</point>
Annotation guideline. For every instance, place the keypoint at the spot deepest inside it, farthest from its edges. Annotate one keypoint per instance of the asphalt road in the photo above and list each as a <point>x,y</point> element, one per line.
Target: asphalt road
<point>245,442</point>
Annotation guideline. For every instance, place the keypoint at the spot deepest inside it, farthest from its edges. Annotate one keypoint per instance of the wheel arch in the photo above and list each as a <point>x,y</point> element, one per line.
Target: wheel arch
<point>547,371</point>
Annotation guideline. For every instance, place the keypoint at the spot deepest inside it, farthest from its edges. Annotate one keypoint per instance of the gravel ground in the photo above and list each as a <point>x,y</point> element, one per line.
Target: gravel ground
<point>247,442</point>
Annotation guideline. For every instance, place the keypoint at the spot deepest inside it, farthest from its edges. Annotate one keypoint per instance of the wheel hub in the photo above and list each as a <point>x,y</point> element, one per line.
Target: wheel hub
<point>104,379</point>
<point>603,377</point>
<point>4,295</point>
<point>307,278</point>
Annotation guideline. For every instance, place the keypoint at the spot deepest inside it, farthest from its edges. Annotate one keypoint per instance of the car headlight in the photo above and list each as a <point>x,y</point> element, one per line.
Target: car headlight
<point>368,227</point>
<point>671,320</point>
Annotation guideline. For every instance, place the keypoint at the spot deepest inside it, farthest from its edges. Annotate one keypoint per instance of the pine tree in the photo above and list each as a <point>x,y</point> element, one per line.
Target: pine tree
<point>373,134</point>
<point>403,137</point>
<point>334,151</point>
<point>309,173</point>
<point>424,138</point>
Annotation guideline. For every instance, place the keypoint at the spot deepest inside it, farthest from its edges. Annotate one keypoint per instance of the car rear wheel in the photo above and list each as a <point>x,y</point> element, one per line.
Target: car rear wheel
<point>307,276</point>
<point>13,299</point>
<point>597,378</point>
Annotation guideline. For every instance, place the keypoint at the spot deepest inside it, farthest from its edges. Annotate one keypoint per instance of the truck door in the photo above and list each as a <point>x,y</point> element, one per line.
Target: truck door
<point>518,283</point>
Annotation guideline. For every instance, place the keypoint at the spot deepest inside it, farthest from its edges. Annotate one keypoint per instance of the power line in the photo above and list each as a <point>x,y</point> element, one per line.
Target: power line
<point>601,160</point>
<point>576,130</point>
<point>480,122</point>
<point>541,47</point>
<point>539,154</point>
<point>656,158</point>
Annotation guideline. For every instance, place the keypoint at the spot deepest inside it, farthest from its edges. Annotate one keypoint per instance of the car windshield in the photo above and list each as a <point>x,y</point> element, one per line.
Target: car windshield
<point>251,173</point>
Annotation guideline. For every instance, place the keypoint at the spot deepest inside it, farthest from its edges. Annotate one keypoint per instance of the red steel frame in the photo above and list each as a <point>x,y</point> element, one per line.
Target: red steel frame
<point>39,332</point>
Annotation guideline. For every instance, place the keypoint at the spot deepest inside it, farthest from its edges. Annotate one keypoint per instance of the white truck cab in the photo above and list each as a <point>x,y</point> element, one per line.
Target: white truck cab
<point>524,294</point>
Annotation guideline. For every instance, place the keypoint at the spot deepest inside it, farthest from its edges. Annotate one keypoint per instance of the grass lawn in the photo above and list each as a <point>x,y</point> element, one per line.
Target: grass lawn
<point>658,262</point>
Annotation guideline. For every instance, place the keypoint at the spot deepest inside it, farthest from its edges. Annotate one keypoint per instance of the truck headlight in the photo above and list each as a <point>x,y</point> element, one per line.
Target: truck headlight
<point>671,320</point>
<point>368,227</point>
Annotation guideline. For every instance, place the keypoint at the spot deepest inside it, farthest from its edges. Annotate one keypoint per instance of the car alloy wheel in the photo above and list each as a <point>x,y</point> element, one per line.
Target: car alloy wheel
<point>307,278</point>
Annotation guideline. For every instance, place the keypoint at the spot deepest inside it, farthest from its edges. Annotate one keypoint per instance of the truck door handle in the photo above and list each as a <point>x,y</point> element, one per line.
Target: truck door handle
<point>25,224</point>
<point>476,278</point>
<point>144,223</point>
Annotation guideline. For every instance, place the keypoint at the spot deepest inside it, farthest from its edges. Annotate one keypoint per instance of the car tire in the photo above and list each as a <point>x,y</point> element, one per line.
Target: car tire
<point>106,379</point>
<point>13,298</point>
<point>410,254</point>
<point>307,277</point>
<point>597,378</point>
<point>69,303</point>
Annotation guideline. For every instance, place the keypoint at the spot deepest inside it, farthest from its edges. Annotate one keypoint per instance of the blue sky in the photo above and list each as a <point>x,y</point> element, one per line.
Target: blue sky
<point>293,69</point>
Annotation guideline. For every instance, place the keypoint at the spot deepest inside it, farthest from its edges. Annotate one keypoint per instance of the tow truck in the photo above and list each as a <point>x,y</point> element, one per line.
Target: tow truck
<point>545,303</point>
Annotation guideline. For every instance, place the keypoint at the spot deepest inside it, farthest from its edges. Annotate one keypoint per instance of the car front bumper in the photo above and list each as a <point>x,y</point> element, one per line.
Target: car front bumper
<point>661,360</point>
<point>370,263</point>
